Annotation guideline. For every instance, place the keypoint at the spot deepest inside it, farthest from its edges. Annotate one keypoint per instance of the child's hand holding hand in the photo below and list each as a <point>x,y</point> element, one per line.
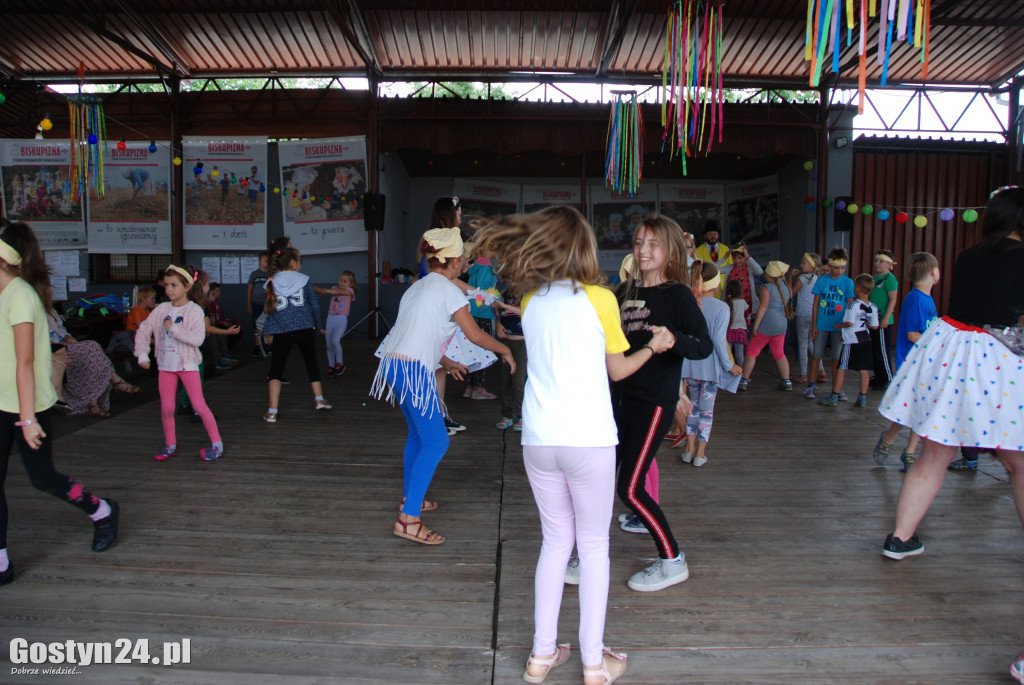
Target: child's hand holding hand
<point>736,369</point>
<point>144,366</point>
<point>661,339</point>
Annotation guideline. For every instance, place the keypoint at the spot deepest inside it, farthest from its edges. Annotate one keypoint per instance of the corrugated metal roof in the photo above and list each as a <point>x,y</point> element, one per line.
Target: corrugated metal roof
<point>973,41</point>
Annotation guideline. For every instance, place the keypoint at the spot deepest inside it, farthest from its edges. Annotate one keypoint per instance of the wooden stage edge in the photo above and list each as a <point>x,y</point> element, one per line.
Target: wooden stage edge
<point>278,565</point>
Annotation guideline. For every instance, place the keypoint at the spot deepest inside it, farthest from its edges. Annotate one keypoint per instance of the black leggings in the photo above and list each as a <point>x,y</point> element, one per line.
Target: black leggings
<point>39,465</point>
<point>642,426</point>
<point>306,342</point>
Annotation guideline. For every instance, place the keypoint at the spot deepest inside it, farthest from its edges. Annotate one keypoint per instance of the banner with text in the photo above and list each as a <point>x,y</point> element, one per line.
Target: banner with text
<point>694,206</point>
<point>226,202</point>
<point>134,215</point>
<point>480,199</point>
<point>753,210</point>
<point>615,219</point>
<point>539,197</point>
<point>37,190</point>
<point>323,183</point>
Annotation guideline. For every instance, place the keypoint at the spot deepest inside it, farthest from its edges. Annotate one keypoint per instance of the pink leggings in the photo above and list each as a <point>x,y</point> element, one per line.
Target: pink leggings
<point>776,343</point>
<point>194,387</point>
<point>574,488</point>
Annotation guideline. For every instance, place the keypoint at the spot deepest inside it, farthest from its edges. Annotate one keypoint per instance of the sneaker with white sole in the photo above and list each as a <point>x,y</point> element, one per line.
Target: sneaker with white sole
<point>481,394</point>
<point>572,571</point>
<point>699,460</point>
<point>1017,669</point>
<point>842,396</point>
<point>270,418</point>
<point>622,518</point>
<point>453,426</point>
<point>321,405</point>
<point>211,453</point>
<point>633,524</point>
<point>809,392</point>
<point>897,549</point>
<point>687,457</point>
<point>661,574</point>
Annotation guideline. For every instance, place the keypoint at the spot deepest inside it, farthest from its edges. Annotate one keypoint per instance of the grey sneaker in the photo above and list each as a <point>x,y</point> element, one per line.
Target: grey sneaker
<point>661,574</point>
<point>809,392</point>
<point>211,453</point>
<point>633,524</point>
<point>785,386</point>
<point>842,396</point>
<point>831,401</point>
<point>862,401</point>
<point>572,571</point>
<point>881,452</point>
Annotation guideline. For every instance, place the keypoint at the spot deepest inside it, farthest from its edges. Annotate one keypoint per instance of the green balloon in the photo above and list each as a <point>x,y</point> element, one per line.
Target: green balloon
<point>3,98</point>
<point>867,209</point>
<point>970,216</point>
<point>828,202</point>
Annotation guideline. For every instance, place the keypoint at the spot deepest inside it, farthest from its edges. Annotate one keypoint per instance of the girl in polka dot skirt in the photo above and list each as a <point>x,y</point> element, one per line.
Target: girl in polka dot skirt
<point>962,386</point>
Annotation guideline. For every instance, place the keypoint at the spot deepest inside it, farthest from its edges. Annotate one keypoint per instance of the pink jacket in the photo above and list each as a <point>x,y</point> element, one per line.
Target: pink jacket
<point>191,332</point>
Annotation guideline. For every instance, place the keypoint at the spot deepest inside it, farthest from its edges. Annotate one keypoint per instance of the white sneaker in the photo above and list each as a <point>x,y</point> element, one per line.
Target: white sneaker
<point>572,571</point>
<point>700,461</point>
<point>809,392</point>
<point>633,524</point>
<point>687,457</point>
<point>661,574</point>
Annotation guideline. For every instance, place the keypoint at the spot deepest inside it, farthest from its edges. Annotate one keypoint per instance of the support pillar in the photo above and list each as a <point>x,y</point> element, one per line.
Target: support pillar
<point>821,212</point>
<point>1015,123</point>
<point>373,183</point>
<point>177,174</point>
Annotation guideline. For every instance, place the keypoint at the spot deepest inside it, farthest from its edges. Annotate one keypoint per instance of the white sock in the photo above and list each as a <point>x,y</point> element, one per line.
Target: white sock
<point>4,561</point>
<point>271,411</point>
<point>102,512</point>
<point>318,398</point>
<point>219,445</point>
<point>677,560</point>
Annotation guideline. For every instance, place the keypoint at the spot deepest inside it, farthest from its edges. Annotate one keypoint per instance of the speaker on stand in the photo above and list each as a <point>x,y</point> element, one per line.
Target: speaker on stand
<point>373,220</point>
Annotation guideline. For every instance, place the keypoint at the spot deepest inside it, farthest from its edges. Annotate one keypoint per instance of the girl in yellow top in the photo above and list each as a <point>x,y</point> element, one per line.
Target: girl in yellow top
<point>26,393</point>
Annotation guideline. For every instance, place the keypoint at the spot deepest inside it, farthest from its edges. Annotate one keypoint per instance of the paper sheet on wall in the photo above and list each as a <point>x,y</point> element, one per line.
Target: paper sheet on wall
<point>250,263</point>
<point>211,265</point>
<point>62,262</point>
<point>60,287</point>
<point>230,270</point>
<point>76,285</point>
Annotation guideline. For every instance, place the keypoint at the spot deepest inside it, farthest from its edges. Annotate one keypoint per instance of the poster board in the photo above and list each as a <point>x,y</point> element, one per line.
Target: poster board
<point>225,206</point>
<point>134,214</point>
<point>36,189</point>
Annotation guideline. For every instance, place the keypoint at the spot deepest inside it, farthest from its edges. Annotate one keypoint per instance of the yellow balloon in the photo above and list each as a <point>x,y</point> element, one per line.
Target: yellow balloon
<point>177,161</point>
<point>46,124</point>
<point>920,221</point>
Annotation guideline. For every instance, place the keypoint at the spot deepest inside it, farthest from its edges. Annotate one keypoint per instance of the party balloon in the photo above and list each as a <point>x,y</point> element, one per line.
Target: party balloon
<point>809,198</point>
<point>215,173</point>
<point>3,98</point>
<point>970,216</point>
<point>946,214</point>
<point>828,202</point>
<point>93,139</point>
<point>920,221</point>
<point>811,206</point>
<point>197,170</point>
<point>814,175</point>
<point>852,208</point>
<point>867,210</point>
<point>841,205</point>
<point>46,124</point>
<point>277,190</point>
<point>152,146</point>
<point>121,145</point>
<point>901,217</point>
<point>883,214</point>
<point>177,161</point>
<point>808,165</point>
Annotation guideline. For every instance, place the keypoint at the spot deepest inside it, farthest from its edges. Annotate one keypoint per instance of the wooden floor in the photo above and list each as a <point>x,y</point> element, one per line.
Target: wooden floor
<point>278,562</point>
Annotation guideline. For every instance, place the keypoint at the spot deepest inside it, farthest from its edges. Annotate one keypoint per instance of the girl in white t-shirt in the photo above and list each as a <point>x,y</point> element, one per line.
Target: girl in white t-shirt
<point>574,341</point>
<point>428,315</point>
<point>736,334</point>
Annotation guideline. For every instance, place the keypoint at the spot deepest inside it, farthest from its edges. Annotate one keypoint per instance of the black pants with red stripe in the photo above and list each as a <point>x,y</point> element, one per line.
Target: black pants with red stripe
<point>642,426</point>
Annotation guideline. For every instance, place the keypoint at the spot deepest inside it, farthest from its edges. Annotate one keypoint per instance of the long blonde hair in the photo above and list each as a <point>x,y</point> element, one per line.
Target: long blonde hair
<point>670,237</point>
<point>553,244</point>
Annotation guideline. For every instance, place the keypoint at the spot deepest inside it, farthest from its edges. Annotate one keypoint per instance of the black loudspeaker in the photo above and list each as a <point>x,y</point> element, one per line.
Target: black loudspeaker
<point>373,211</point>
<point>842,219</point>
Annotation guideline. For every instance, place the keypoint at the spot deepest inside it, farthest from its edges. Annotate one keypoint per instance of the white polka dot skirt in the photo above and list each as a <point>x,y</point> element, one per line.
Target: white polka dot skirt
<point>960,386</point>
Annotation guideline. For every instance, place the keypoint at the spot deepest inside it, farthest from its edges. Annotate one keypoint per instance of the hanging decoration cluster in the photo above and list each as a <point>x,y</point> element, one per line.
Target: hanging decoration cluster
<point>88,141</point>
<point>692,78</point>
<point>623,166</point>
<point>910,20</point>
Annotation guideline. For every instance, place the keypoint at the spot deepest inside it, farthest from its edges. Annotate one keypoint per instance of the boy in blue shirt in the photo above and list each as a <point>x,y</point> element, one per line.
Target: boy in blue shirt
<point>917,313</point>
<point>832,293</point>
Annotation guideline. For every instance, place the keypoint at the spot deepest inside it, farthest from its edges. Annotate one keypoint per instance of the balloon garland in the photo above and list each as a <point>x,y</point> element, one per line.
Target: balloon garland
<point>692,78</point>
<point>623,166</point>
<point>910,18</point>
<point>88,133</point>
<point>902,215</point>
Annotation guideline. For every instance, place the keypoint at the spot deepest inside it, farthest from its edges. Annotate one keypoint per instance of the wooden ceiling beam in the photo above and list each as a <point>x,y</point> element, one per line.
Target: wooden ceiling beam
<point>153,34</point>
<point>349,17</point>
<point>615,31</point>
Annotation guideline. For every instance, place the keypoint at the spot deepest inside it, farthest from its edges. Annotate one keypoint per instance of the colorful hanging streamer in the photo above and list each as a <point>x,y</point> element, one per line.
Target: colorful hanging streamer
<point>624,161</point>
<point>909,20</point>
<point>88,142</point>
<point>692,78</point>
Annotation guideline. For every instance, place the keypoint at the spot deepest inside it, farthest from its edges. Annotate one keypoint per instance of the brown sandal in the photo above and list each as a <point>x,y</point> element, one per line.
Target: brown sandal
<point>126,387</point>
<point>423,535</point>
<point>96,410</point>
<point>426,506</point>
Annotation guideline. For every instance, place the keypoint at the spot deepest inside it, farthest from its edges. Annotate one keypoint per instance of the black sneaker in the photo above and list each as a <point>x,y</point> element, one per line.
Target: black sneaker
<point>453,425</point>
<point>894,548</point>
<point>105,530</point>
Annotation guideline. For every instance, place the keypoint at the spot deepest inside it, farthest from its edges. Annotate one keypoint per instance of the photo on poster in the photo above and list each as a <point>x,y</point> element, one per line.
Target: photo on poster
<point>226,202</point>
<point>482,199</point>
<point>39,193</point>
<point>324,192</point>
<point>694,207</point>
<point>536,198</point>
<point>615,221</point>
<point>132,192</point>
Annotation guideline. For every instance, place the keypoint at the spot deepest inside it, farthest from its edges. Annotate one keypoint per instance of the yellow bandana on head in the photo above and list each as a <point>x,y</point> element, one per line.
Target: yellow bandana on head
<point>885,258</point>
<point>808,258</point>
<point>9,254</point>
<point>190,281</point>
<point>713,283</point>
<point>837,262</point>
<point>445,243</point>
<point>626,269</point>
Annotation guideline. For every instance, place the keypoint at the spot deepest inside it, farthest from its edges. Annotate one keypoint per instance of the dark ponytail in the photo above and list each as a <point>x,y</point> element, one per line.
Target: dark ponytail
<point>33,267</point>
<point>279,261</point>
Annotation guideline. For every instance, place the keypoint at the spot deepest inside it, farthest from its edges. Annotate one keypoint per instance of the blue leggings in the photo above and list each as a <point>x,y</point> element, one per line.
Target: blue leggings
<point>425,446</point>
